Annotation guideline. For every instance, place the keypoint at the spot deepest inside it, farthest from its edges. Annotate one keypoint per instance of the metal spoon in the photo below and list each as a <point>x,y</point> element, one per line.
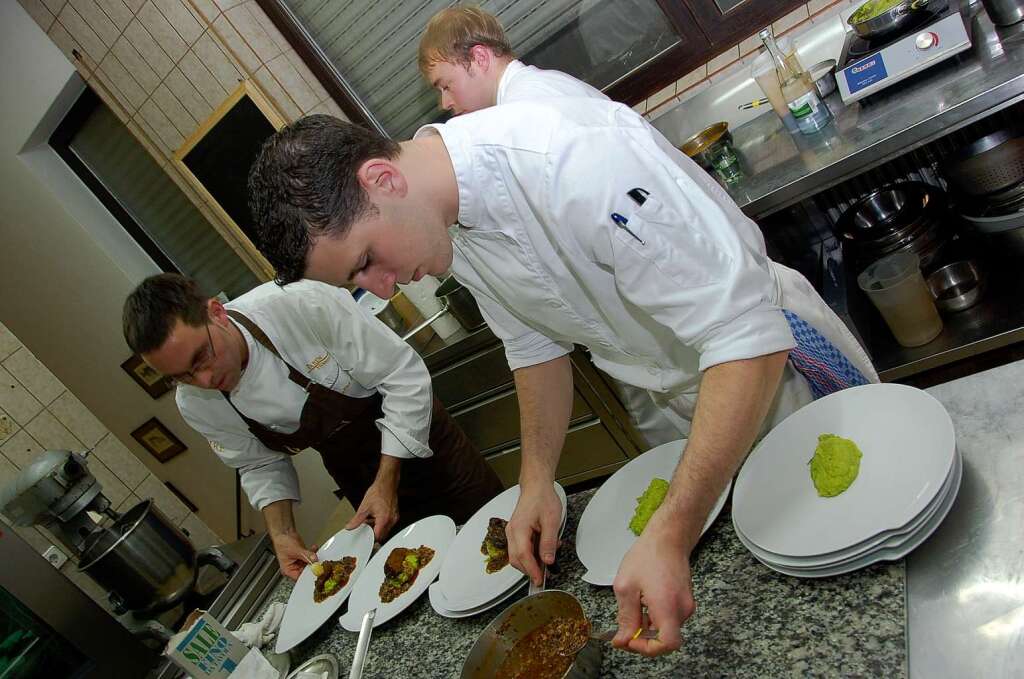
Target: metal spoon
<point>362,645</point>
<point>606,635</point>
<point>543,571</point>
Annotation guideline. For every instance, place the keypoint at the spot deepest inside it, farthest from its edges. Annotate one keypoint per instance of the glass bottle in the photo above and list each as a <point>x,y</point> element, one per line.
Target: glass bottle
<point>808,109</point>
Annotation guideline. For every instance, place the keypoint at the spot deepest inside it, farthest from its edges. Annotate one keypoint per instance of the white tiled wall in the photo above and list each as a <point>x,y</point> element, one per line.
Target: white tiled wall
<point>38,413</point>
<point>163,66</point>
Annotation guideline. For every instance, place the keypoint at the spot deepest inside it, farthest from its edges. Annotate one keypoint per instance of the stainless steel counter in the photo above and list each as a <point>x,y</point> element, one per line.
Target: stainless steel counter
<point>965,585</point>
<point>784,169</point>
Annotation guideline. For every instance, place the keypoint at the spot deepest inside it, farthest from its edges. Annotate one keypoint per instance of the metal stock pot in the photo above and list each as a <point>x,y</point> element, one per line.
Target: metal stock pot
<point>142,559</point>
<point>458,301</point>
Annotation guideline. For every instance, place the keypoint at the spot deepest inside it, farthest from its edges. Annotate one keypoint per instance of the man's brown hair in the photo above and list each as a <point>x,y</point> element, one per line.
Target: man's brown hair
<point>153,309</point>
<point>453,32</point>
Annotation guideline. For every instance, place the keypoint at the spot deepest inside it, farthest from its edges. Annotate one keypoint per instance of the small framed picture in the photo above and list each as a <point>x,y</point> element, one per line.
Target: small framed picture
<point>158,440</point>
<point>155,384</point>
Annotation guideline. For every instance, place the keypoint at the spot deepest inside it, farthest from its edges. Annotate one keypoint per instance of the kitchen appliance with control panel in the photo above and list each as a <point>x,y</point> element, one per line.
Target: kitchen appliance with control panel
<point>869,66</point>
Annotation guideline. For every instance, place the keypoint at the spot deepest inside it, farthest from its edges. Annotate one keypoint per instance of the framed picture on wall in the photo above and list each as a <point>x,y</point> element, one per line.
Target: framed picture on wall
<point>158,440</point>
<point>155,384</point>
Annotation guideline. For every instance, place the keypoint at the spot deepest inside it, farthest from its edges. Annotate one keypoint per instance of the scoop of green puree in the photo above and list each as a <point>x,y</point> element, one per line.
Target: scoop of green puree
<point>835,464</point>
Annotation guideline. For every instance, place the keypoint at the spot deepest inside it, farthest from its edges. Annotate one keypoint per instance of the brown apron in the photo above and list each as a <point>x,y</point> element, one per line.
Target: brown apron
<point>455,481</point>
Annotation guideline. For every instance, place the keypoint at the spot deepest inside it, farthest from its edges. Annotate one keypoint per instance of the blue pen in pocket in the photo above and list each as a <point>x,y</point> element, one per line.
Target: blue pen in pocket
<point>622,223</point>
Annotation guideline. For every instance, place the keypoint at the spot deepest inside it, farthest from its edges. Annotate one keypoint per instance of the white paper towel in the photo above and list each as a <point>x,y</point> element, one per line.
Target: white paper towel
<point>255,666</point>
<point>421,294</point>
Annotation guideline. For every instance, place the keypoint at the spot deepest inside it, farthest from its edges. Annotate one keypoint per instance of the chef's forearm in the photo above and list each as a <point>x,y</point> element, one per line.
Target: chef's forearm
<point>733,401</point>
<point>545,402</point>
<point>279,518</point>
<point>389,473</point>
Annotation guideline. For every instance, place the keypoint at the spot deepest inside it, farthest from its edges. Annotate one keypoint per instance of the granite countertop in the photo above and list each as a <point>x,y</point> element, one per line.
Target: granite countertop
<point>750,621</point>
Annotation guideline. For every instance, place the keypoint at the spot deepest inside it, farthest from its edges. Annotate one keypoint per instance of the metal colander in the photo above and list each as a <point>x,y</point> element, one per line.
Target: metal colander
<point>991,164</point>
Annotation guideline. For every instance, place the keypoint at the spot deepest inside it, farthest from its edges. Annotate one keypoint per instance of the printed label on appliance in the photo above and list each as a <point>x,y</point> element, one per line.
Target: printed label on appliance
<point>865,72</point>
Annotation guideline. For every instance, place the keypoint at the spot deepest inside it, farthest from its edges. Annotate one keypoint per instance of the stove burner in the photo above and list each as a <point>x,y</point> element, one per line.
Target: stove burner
<point>859,47</point>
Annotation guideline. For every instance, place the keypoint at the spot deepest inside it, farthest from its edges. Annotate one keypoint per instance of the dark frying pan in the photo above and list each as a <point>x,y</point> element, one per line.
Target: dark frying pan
<point>898,17</point>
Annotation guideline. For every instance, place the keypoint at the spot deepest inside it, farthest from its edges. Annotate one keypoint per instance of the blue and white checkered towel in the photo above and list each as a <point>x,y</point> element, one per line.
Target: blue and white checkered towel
<point>817,359</point>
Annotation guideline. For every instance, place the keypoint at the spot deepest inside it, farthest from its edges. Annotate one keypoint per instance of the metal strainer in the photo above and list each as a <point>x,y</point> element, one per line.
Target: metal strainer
<point>991,164</point>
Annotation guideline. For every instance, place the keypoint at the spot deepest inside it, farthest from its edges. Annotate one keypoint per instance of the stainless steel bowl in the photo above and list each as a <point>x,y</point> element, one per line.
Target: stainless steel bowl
<point>518,620</point>
<point>823,74</point>
<point>697,146</point>
<point>956,286</point>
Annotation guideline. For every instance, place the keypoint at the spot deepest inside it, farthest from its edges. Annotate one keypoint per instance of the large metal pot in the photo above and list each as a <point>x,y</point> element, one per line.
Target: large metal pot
<point>901,16</point>
<point>456,300</point>
<point>142,559</point>
<point>384,310</point>
<point>518,620</point>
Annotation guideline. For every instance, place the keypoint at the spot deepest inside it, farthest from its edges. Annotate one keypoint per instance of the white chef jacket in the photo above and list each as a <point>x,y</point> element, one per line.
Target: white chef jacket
<point>324,334</point>
<point>520,82</point>
<point>687,287</point>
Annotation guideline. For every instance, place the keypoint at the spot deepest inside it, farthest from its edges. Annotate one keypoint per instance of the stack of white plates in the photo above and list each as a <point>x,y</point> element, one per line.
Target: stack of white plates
<point>464,587</point>
<point>909,476</point>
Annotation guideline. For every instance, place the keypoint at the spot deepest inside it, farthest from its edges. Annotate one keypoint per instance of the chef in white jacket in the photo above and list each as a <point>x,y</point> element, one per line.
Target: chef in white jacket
<point>282,369</point>
<point>465,55</point>
<point>575,223</point>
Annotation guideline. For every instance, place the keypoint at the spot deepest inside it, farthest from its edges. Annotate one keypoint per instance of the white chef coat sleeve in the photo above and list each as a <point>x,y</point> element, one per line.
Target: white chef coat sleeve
<point>685,262</point>
<point>376,358</point>
<point>266,475</point>
<point>523,345</point>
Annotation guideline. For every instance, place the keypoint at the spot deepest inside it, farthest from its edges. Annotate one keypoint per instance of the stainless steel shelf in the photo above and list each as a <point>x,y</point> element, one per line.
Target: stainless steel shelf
<point>784,169</point>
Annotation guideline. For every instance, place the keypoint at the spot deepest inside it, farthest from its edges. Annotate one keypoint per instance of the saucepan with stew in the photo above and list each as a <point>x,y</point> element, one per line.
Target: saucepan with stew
<point>530,638</point>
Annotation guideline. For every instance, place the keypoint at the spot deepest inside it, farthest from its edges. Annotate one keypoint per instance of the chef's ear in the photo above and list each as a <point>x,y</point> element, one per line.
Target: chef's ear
<point>216,311</point>
<point>480,56</point>
<point>381,178</point>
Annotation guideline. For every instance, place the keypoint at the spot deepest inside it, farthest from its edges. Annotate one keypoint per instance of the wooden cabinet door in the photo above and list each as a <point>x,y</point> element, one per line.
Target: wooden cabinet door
<point>691,50</point>
<point>727,22</point>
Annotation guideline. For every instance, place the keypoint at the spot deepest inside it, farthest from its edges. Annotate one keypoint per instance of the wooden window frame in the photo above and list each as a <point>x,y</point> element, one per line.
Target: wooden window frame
<point>234,232</point>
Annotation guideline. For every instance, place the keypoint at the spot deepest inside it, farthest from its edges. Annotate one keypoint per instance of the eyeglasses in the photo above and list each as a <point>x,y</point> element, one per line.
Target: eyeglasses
<point>202,361</point>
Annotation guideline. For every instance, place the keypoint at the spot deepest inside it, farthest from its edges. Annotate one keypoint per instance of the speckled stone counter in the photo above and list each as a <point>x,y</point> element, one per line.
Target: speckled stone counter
<point>750,622</point>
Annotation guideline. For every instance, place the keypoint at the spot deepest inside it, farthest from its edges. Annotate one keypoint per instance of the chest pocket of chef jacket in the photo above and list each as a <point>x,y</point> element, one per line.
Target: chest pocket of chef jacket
<point>672,245</point>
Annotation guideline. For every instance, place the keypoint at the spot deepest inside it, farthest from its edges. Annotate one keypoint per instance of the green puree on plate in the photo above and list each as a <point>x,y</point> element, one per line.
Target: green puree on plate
<point>647,504</point>
<point>835,464</point>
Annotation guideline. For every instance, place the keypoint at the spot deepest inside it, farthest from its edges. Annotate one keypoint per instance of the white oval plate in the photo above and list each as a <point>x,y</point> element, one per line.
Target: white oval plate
<point>886,540</point>
<point>441,605</point>
<point>603,536</point>
<point>885,552</point>
<point>465,583</point>
<point>302,616</point>
<point>908,443</point>
<point>436,532</point>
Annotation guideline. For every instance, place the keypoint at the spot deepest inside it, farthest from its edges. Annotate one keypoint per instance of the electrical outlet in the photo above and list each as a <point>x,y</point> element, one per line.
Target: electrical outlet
<point>55,556</point>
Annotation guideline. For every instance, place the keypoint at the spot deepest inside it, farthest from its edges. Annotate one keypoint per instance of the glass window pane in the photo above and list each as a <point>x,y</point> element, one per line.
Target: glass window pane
<point>373,45</point>
<point>728,5</point>
<point>127,170</point>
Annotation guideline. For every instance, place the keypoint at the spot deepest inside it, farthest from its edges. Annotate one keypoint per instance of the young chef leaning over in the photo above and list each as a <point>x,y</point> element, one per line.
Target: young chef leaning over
<point>284,368</point>
<point>553,242</point>
<point>465,55</point>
